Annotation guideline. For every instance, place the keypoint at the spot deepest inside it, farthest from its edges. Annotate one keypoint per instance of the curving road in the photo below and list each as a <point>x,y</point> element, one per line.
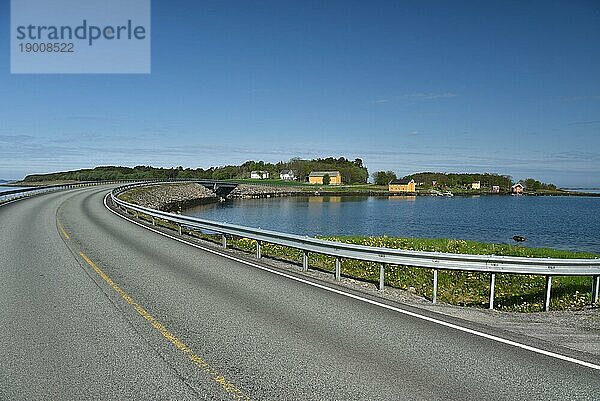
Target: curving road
<point>95,307</point>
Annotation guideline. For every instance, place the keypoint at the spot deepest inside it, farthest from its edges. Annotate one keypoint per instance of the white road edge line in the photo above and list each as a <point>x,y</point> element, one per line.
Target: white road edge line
<point>372,302</point>
<point>13,201</point>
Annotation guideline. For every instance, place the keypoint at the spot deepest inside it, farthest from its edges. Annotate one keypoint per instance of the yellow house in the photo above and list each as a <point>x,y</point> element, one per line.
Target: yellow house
<point>316,177</point>
<point>402,186</point>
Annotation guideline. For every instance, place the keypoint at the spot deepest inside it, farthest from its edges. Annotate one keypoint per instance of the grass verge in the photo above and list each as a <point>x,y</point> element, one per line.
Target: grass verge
<point>514,292</point>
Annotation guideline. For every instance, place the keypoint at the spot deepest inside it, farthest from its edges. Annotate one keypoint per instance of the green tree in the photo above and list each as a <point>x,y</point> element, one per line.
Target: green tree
<point>383,177</point>
<point>532,185</point>
<point>535,185</point>
<point>326,179</point>
<point>351,171</point>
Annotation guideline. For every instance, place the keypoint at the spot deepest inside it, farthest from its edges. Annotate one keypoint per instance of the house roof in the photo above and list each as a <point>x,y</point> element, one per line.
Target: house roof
<point>401,182</point>
<point>322,173</point>
<point>518,184</point>
<point>286,172</point>
<point>259,172</point>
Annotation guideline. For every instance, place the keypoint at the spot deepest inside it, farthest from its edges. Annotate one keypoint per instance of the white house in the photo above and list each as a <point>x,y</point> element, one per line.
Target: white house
<point>259,175</point>
<point>287,175</point>
<point>517,188</point>
<point>476,185</point>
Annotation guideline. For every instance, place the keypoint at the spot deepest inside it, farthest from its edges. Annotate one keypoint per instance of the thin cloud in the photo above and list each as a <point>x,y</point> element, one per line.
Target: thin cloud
<point>91,136</point>
<point>580,98</point>
<point>577,156</point>
<point>584,122</point>
<point>16,138</point>
<point>92,118</point>
<point>37,155</point>
<point>430,96</point>
<point>416,97</point>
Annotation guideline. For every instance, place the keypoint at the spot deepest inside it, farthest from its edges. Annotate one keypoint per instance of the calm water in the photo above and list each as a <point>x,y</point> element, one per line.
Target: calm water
<point>558,222</point>
<point>588,190</point>
<point>5,188</point>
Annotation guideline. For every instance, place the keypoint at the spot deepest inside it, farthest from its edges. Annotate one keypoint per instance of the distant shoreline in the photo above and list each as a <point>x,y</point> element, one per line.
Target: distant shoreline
<point>272,191</point>
<point>267,192</point>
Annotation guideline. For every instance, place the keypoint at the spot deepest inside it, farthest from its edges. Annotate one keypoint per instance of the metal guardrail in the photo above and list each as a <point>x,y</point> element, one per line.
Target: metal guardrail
<point>14,194</point>
<point>385,256</point>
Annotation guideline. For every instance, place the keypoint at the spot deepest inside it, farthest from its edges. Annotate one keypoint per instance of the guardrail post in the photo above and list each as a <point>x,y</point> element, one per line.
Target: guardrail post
<point>305,261</point>
<point>435,285</point>
<point>547,297</point>
<point>476,263</point>
<point>492,289</point>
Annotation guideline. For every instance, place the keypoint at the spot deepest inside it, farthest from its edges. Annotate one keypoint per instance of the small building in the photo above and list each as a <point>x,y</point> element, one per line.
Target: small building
<point>316,177</point>
<point>434,183</point>
<point>287,175</point>
<point>476,185</point>
<point>402,185</point>
<point>495,189</point>
<point>259,175</point>
<point>517,188</point>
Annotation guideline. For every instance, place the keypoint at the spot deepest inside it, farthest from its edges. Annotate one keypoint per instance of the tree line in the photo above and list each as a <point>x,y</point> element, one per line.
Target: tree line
<point>352,171</point>
<point>536,185</point>
<point>446,179</point>
<point>454,180</point>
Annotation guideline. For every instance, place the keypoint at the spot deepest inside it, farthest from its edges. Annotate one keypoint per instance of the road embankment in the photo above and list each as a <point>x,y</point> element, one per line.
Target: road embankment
<point>246,191</point>
<point>170,197</point>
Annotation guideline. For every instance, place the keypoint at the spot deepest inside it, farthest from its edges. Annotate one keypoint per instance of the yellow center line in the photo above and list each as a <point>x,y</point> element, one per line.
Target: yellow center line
<point>63,231</point>
<point>226,385</point>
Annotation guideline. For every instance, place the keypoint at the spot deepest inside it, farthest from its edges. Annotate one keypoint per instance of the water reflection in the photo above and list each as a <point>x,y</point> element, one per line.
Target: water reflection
<point>402,198</point>
<point>558,222</point>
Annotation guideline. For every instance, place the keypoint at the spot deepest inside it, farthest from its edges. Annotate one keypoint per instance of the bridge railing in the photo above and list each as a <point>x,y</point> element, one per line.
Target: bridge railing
<point>18,193</point>
<point>492,264</point>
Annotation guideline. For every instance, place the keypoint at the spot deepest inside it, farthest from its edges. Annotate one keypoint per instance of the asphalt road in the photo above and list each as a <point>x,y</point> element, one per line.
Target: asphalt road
<point>95,307</point>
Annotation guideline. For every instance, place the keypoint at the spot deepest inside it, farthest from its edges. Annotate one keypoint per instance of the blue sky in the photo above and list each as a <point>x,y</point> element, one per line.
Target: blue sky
<point>510,86</point>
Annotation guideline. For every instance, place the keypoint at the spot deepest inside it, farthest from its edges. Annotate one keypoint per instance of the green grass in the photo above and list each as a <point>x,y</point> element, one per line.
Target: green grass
<point>312,187</point>
<point>349,188</point>
<point>127,196</point>
<point>461,247</point>
<point>514,292</point>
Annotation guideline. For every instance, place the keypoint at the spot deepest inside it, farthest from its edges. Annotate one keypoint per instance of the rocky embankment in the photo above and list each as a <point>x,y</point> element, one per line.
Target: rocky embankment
<point>171,197</point>
<point>263,191</point>
<point>245,191</point>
